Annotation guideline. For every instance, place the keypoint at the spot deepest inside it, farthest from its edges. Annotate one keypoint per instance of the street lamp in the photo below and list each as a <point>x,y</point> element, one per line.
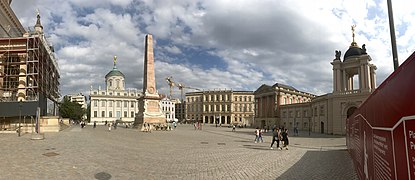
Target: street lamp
<point>309,126</point>
<point>20,116</point>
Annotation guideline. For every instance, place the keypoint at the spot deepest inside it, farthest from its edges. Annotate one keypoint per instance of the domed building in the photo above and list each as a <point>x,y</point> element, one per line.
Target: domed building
<point>114,103</point>
<point>354,79</point>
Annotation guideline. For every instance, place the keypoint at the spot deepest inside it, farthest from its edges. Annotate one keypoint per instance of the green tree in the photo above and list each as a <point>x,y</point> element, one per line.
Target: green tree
<point>88,112</point>
<point>69,109</point>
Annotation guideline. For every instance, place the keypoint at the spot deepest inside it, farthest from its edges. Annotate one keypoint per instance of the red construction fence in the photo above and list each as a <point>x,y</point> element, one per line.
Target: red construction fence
<point>381,132</point>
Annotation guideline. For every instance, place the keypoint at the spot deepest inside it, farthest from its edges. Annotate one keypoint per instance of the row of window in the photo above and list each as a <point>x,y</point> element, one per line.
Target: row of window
<point>305,113</point>
<point>110,103</point>
<point>117,83</point>
<point>118,114</point>
<point>110,93</point>
<point>219,98</point>
<point>297,114</point>
<point>164,108</point>
<point>221,108</point>
<point>292,100</point>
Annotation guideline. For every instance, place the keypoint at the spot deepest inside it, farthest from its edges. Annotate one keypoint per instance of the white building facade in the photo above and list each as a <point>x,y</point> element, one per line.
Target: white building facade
<point>114,103</point>
<point>168,108</point>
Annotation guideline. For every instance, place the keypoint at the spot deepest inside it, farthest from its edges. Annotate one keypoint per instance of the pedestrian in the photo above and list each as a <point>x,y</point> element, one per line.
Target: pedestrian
<point>115,125</point>
<point>261,131</point>
<point>95,124</point>
<point>233,128</point>
<point>256,135</point>
<point>106,122</point>
<point>276,137</point>
<point>284,135</point>
<point>109,126</point>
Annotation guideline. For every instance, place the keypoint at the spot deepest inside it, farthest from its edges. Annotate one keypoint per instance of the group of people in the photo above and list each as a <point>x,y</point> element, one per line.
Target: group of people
<point>277,136</point>
<point>280,135</point>
<point>198,125</point>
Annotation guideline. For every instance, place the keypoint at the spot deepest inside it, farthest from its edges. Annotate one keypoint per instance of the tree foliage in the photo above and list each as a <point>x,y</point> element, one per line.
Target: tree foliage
<point>69,109</point>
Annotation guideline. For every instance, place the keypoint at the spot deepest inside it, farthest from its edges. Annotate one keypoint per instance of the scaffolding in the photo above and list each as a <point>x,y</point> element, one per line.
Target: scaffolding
<point>28,69</point>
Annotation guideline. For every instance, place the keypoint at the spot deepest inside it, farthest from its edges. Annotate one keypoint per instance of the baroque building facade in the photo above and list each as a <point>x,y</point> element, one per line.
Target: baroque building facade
<point>114,103</point>
<point>221,107</point>
<point>354,79</point>
<point>269,99</point>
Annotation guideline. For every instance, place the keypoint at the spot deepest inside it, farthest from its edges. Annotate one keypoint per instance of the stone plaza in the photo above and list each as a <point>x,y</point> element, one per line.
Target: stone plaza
<point>183,153</point>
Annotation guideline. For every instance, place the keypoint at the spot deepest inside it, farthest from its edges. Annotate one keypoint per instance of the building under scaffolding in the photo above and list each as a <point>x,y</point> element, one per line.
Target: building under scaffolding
<point>29,77</point>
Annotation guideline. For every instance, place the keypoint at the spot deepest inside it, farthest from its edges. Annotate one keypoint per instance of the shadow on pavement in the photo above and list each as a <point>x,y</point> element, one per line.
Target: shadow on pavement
<point>256,147</point>
<point>335,164</point>
<point>102,176</point>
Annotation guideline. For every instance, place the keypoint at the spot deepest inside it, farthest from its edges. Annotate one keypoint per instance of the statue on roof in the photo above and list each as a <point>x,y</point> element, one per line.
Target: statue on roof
<point>115,60</point>
<point>338,54</point>
<point>364,49</point>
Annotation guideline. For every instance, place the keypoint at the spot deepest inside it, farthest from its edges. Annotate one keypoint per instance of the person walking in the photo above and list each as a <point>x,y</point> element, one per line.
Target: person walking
<point>284,135</point>
<point>109,126</point>
<point>275,137</point>
<point>261,131</point>
<point>233,128</point>
<point>256,135</point>
<point>95,124</point>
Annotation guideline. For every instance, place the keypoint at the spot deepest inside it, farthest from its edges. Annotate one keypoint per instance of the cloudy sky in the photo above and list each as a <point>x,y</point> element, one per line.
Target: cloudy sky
<point>217,44</point>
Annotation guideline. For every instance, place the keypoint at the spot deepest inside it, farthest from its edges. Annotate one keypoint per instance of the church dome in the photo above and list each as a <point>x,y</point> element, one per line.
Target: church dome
<point>353,51</point>
<point>114,72</point>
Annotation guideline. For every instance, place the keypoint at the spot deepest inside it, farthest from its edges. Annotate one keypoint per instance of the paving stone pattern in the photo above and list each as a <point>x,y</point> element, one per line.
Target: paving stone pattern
<point>185,153</point>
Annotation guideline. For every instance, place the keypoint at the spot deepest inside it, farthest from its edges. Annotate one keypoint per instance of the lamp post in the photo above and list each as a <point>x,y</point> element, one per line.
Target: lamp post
<point>20,116</point>
<point>309,126</point>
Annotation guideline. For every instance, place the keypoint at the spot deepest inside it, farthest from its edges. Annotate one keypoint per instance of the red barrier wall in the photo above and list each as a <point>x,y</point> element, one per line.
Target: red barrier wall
<point>381,132</point>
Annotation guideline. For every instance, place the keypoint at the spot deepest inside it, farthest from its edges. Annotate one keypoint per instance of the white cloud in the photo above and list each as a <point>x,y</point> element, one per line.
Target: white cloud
<point>257,42</point>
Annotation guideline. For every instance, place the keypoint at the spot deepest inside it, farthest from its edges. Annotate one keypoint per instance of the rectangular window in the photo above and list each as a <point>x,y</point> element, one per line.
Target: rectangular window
<point>132,113</point>
<point>95,113</point>
<point>125,103</point>
<point>95,103</point>
<point>118,104</point>
<point>132,104</point>
<point>103,114</point>
<point>103,103</point>
<point>110,114</point>
<point>321,110</point>
<point>110,104</point>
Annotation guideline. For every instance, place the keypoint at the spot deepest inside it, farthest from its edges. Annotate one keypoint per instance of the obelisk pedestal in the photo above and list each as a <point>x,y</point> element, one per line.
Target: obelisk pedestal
<point>150,113</point>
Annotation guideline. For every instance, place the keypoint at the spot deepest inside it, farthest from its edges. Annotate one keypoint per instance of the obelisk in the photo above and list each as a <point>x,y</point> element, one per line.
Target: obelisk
<point>150,114</point>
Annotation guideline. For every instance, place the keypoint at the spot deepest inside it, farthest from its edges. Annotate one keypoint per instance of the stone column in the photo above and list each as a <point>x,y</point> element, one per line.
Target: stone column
<point>149,83</point>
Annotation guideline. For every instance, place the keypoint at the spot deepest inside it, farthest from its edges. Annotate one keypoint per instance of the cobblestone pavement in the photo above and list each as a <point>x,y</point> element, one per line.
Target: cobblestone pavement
<point>185,153</point>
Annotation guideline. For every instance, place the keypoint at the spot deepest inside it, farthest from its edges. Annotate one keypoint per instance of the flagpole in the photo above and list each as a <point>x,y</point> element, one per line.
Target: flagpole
<point>393,37</point>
